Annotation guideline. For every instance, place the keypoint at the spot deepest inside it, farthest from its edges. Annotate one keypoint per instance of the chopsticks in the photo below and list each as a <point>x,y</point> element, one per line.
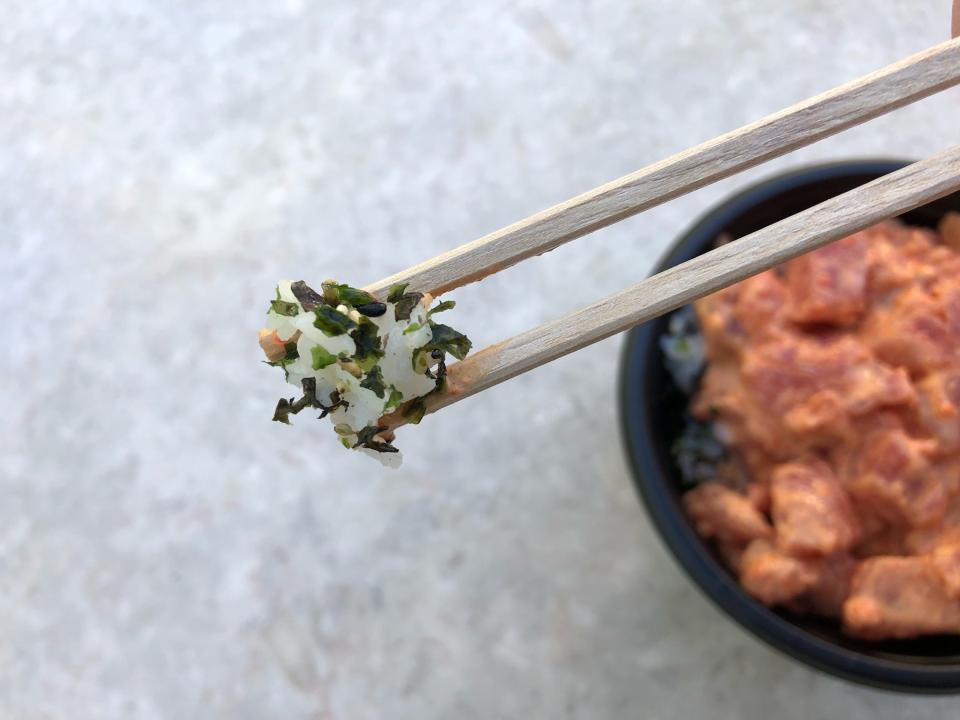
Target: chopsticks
<point>889,88</point>
<point>855,210</point>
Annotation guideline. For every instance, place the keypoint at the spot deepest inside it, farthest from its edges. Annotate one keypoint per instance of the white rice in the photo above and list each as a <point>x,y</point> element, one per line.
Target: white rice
<point>399,341</point>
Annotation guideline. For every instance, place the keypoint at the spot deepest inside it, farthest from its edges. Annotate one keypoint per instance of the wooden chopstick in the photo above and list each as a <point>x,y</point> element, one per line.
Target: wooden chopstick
<point>855,210</point>
<point>806,122</point>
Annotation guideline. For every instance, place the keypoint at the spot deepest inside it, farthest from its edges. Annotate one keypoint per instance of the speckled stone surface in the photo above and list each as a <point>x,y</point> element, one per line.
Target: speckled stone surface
<point>166,551</point>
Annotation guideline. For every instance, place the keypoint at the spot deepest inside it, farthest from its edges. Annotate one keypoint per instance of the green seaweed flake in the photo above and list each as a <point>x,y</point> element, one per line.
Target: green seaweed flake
<point>322,357</point>
<point>442,307</point>
<point>331,321</point>
<point>282,307</point>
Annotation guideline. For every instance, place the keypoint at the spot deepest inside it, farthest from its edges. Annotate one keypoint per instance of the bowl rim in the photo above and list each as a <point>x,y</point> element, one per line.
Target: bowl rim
<point>664,512</point>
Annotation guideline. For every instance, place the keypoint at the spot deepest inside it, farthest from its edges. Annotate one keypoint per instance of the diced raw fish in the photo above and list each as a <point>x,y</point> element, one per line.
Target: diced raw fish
<point>898,597</point>
<point>811,511</point>
<point>912,333</point>
<point>946,561</point>
<point>718,512</point>
<point>833,585</point>
<point>829,285</point>
<point>949,229</point>
<point>774,577</point>
<point>892,479</point>
<point>939,408</point>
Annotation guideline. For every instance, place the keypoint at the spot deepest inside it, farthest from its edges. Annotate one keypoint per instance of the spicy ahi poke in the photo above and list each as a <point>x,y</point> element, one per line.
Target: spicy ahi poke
<point>822,447</point>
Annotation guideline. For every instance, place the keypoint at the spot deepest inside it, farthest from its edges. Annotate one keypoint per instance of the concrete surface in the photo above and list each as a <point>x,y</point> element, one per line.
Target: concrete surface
<point>166,551</point>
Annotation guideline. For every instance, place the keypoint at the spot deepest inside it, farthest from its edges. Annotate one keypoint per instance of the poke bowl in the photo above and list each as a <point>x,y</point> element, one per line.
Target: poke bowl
<point>655,416</point>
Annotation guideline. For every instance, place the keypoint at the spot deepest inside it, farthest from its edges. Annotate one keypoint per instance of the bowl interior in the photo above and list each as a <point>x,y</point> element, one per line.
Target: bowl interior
<point>653,411</point>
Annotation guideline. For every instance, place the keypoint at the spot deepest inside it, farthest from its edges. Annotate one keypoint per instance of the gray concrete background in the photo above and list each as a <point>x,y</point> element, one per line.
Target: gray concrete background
<point>166,551</point>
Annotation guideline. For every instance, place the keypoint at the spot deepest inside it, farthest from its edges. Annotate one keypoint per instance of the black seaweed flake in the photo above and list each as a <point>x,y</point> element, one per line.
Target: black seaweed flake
<point>367,433</point>
<point>373,381</point>
<point>365,438</point>
<point>405,305</point>
<point>441,374</point>
<point>336,402</point>
<point>308,297</point>
<point>283,411</point>
<point>448,340</point>
<point>383,447</point>
<point>369,345</point>
<point>286,408</point>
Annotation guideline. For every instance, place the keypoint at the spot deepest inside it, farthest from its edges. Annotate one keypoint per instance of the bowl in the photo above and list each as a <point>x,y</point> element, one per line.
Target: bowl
<point>652,412</point>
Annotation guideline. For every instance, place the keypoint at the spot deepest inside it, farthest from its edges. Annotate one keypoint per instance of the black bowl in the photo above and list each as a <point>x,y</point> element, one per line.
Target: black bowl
<point>652,414</point>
